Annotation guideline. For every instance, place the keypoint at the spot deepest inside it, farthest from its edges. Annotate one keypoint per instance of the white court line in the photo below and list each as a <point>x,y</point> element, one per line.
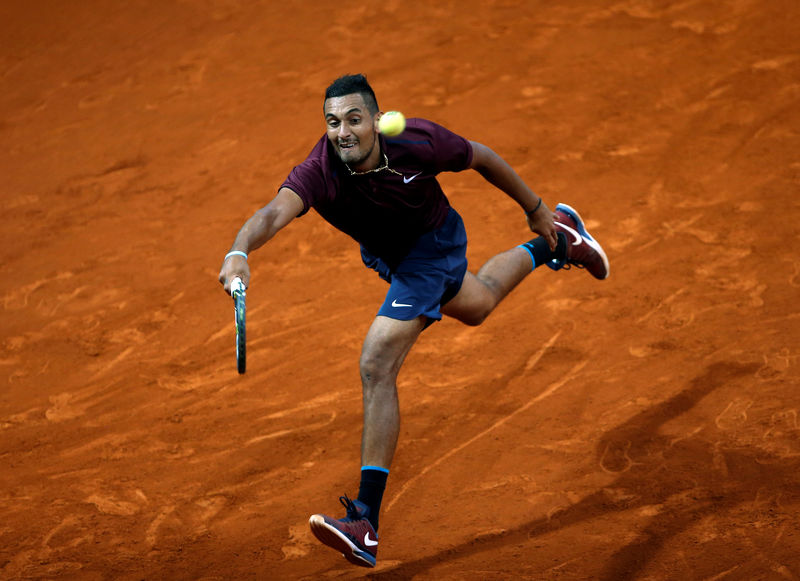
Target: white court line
<point>546,393</point>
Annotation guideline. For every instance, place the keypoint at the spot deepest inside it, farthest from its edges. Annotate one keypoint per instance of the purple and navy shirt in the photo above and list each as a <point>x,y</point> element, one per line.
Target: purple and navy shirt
<point>385,212</point>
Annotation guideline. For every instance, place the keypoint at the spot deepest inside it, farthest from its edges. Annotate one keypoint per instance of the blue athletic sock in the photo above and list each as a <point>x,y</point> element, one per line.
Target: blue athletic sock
<point>540,251</point>
<point>373,483</point>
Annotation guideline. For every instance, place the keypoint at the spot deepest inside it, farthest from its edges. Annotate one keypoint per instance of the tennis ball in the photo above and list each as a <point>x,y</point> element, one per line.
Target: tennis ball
<point>392,123</point>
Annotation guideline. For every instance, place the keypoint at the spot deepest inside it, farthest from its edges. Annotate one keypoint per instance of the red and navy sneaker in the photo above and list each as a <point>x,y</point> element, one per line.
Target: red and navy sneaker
<point>583,251</point>
<point>353,535</point>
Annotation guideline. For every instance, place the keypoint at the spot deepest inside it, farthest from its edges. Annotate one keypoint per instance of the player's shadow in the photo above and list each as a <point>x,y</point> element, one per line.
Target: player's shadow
<point>653,472</point>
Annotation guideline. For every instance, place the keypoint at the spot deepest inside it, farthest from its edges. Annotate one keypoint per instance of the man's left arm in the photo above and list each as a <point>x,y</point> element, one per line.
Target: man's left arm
<point>497,172</point>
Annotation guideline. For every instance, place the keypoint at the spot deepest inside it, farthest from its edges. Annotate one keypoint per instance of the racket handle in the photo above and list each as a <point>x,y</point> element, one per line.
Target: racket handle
<point>237,285</point>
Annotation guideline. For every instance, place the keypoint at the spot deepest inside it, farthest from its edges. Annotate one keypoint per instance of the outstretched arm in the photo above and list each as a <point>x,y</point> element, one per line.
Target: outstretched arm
<point>497,172</point>
<point>262,226</point>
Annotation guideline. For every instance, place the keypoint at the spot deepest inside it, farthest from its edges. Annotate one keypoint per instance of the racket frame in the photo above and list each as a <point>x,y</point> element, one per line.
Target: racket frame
<point>239,294</point>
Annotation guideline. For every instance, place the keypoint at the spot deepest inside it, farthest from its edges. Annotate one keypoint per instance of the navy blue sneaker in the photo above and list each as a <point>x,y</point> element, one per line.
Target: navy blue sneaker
<point>583,251</point>
<point>353,535</point>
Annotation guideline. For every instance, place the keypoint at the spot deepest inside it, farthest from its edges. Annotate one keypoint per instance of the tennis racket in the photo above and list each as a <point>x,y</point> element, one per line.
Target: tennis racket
<point>238,293</point>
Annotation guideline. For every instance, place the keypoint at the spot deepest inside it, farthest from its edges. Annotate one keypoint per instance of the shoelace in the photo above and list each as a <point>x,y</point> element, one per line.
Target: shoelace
<point>350,507</point>
<point>568,264</point>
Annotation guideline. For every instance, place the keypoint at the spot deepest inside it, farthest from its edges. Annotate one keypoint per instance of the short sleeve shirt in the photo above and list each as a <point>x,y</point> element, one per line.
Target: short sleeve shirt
<point>385,212</point>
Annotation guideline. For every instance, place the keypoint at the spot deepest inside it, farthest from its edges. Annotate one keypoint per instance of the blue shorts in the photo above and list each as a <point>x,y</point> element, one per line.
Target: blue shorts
<point>429,276</point>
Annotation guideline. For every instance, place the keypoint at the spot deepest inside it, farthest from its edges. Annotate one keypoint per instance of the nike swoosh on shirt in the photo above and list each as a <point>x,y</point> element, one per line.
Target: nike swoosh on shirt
<point>396,304</point>
<point>408,180</point>
<point>368,541</point>
<point>577,236</point>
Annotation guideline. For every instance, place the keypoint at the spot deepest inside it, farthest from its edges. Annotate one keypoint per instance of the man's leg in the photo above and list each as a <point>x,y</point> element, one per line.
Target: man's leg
<point>481,293</point>
<point>385,348</point>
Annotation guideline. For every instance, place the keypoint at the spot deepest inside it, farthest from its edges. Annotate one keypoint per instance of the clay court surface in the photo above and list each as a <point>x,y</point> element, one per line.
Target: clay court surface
<point>644,427</point>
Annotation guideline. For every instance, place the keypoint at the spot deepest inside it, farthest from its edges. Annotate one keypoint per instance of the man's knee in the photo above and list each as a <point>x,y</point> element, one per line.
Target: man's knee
<point>375,367</point>
<point>476,316</point>
<point>471,312</point>
<point>385,348</point>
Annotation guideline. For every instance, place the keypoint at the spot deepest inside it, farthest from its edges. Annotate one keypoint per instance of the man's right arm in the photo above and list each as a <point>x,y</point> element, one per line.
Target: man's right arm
<point>262,226</point>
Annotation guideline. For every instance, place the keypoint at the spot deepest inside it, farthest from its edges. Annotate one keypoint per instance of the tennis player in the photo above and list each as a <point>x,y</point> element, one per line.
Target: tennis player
<point>383,192</point>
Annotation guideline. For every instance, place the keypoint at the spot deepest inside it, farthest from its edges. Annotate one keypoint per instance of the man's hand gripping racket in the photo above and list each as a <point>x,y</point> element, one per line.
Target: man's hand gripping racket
<point>239,295</point>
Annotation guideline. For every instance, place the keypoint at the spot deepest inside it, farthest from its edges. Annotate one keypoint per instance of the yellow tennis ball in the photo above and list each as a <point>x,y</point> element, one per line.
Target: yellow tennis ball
<point>392,123</point>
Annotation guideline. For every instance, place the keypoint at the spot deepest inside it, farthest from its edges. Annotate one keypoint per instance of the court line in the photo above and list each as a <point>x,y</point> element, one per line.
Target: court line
<point>546,393</point>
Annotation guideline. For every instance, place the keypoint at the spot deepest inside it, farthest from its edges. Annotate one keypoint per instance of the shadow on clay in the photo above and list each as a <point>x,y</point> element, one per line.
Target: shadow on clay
<point>653,470</point>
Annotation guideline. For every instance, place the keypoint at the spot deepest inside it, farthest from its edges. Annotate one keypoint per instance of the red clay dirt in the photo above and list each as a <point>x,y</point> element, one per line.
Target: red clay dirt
<point>644,427</point>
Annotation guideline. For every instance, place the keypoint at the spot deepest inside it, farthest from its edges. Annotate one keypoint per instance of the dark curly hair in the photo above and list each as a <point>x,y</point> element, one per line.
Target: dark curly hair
<point>349,84</point>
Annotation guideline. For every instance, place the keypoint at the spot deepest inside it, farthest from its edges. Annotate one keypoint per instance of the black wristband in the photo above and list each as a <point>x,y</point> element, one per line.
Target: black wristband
<point>530,212</point>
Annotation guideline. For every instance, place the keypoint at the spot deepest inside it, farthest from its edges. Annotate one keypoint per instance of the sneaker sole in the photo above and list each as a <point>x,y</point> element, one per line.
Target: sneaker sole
<point>336,540</point>
<point>573,213</point>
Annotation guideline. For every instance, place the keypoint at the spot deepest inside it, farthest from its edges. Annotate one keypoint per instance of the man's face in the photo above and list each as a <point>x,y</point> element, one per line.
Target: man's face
<point>353,131</point>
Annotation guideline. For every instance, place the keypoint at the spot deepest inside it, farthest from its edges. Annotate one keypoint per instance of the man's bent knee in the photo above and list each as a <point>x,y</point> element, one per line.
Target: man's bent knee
<point>471,310</point>
<point>475,317</point>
